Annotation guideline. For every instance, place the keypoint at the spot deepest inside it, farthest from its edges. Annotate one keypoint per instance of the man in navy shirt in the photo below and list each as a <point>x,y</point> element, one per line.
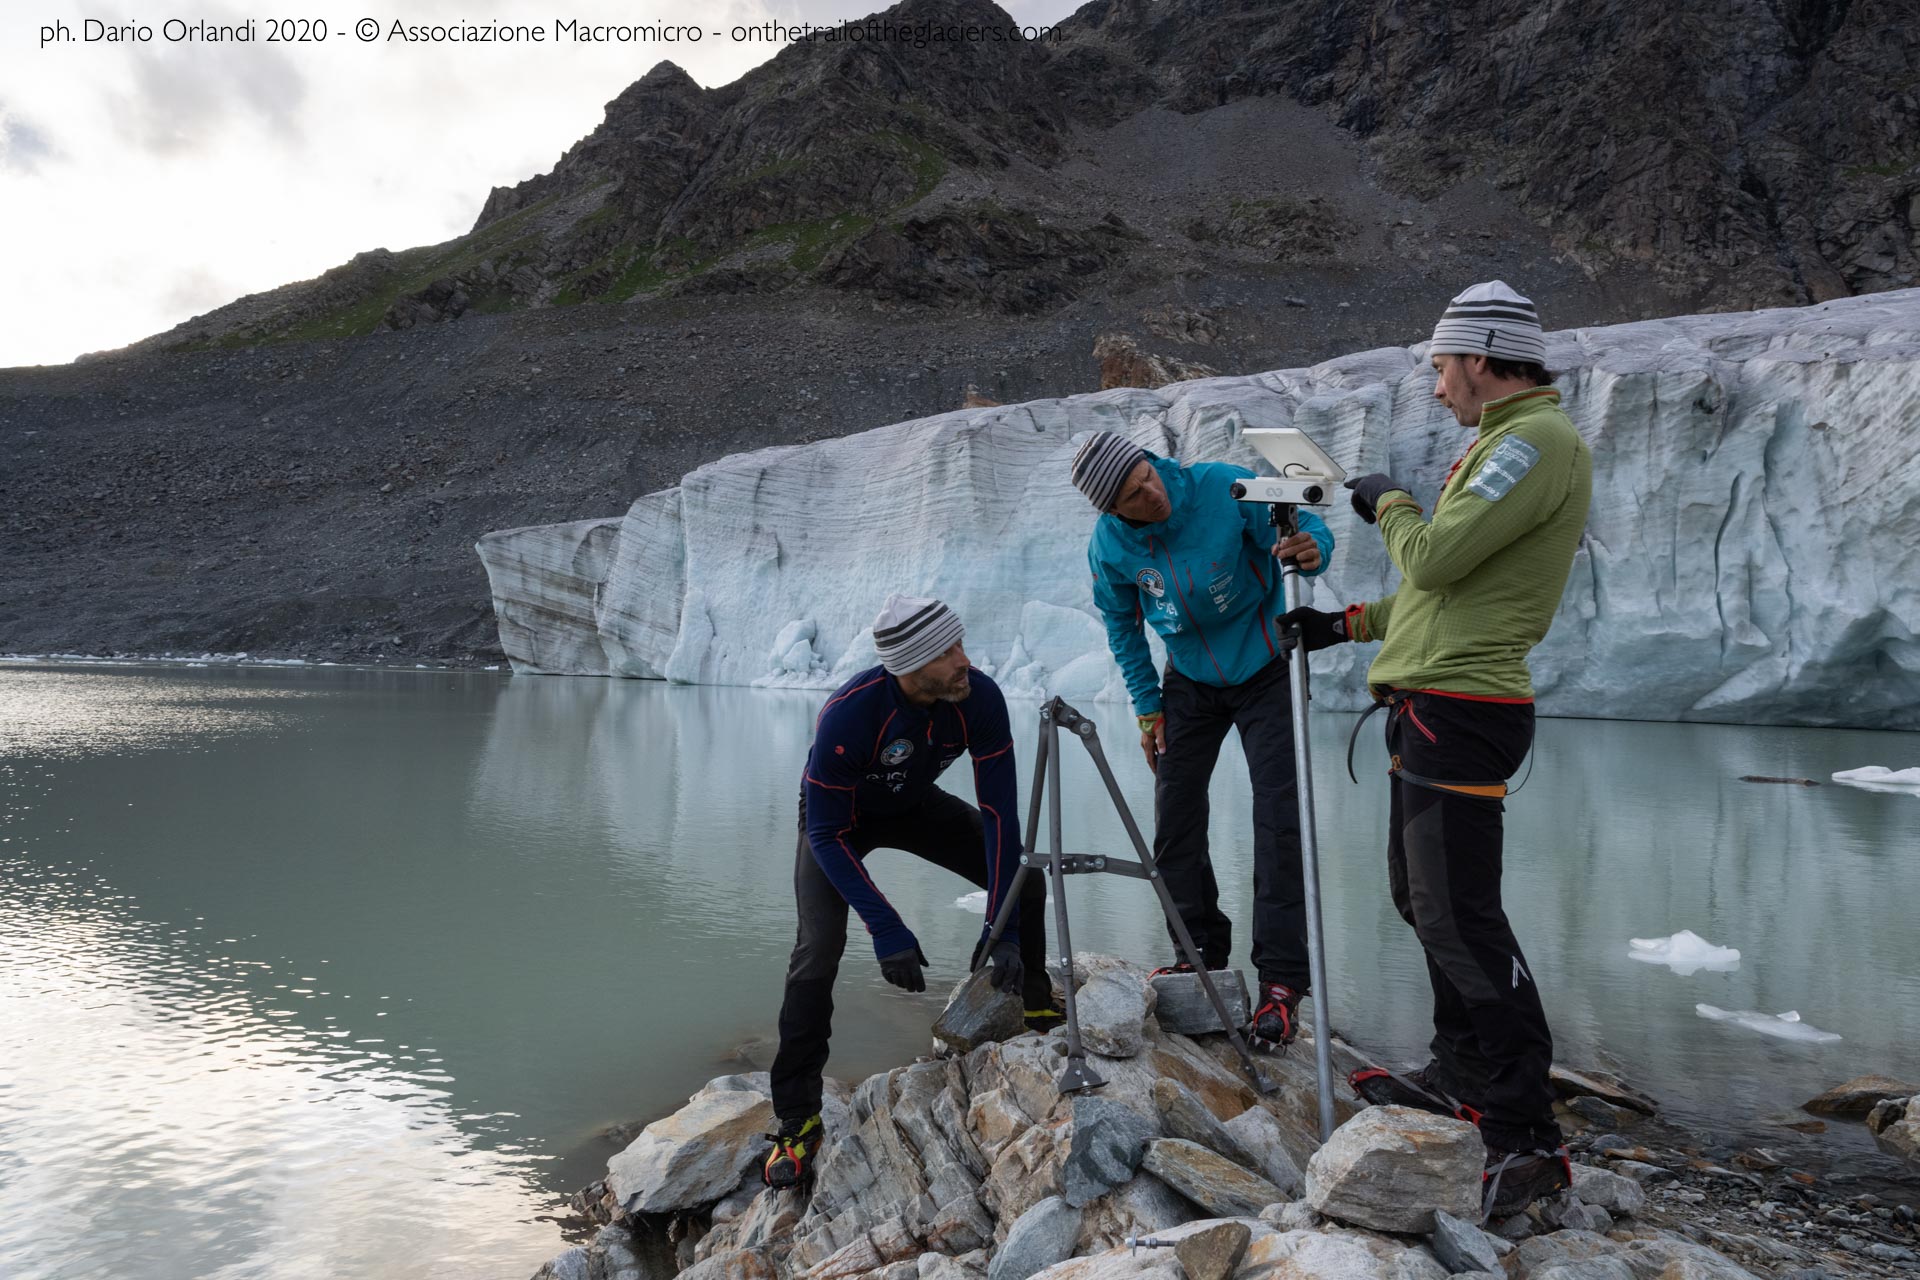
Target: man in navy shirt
<point>881,741</point>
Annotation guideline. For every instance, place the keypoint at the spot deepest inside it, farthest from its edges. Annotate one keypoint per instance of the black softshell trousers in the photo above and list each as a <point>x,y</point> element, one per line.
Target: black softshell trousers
<point>1490,1035</point>
<point>946,831</point>
<point>1198,717</point>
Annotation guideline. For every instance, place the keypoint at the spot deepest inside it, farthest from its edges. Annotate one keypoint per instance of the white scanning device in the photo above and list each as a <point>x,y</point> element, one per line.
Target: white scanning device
<point>1307,476</point>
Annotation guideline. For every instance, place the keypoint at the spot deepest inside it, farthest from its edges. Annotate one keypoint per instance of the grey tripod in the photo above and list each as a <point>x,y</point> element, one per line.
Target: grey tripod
<point>1055,716</point>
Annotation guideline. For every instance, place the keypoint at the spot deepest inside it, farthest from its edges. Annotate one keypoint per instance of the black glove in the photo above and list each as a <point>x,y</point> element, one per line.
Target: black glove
<point>1367,492</point>
<point>1315,627</point>
<point>903,969</point>
<point>1009,971</point>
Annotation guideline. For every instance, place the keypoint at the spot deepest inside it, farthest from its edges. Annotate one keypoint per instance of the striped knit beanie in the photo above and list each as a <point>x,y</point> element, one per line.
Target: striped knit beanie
<point>1101,466</point>
<point>911,632</point>
<point>1490,320</point>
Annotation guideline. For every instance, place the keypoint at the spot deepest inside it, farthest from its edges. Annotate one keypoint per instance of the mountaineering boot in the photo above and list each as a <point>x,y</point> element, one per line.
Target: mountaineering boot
<point>1165,970</point>
<point>1420,1089</point>
<point>1274,1022</point>
<point>1515,1179</point>
<point>790,1163</point>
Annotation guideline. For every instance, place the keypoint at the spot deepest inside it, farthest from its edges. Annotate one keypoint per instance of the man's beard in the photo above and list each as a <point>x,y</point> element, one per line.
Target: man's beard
<point>958,690</point>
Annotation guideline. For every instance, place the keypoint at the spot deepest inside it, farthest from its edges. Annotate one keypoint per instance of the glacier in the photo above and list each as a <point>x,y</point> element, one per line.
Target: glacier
<point>1750,557</point>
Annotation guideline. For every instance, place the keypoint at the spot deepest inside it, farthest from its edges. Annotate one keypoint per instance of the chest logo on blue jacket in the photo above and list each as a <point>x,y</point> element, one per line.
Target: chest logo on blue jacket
<point>1151,583</point>
<point>896,752</point>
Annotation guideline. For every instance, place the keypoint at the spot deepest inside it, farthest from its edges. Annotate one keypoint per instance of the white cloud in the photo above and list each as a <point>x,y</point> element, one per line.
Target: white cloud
<point>181,175</point>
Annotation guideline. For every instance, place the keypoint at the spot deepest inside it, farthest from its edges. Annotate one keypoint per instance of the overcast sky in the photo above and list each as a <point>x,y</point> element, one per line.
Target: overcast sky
<point>144,183</point>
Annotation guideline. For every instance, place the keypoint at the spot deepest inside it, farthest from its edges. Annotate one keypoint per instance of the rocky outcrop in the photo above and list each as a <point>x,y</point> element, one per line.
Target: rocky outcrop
<point>1756,501</point>
<point>975,1167</point>
<point>1895,1125</point>
<point>1124,364</point>
<point>1859,1096</point>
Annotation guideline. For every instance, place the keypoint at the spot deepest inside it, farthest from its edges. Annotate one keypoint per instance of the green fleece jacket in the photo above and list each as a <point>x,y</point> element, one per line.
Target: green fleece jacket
<point>1481,580</point>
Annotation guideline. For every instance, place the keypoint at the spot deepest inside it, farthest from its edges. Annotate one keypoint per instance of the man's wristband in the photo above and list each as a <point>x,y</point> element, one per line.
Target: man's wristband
<point>1148,721</point>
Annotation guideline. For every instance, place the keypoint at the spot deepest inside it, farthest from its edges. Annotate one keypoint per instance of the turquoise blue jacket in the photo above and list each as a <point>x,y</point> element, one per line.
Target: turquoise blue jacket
<point>1204,578</point>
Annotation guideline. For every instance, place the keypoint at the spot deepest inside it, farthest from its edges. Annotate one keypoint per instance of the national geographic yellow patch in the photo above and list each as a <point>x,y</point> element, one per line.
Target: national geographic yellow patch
<point>1509,463</point>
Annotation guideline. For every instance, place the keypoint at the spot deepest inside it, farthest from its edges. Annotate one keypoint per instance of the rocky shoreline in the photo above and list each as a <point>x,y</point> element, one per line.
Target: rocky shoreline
<point>969,1165</point>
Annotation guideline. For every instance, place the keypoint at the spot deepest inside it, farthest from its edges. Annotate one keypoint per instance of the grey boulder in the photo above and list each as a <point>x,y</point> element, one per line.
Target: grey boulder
<point>1040,1237</point>
<point>1106,1144</point>
<point>1610,1191</point>
<point>694,1156</point>
<point>1392,1168</point>
<point>1462,1246</point>
<point>1859,1095</point>
<point>1185,1116</point>
<point>976,1014</point>
<point>1181,1004</point>
<point>1211,1181</point>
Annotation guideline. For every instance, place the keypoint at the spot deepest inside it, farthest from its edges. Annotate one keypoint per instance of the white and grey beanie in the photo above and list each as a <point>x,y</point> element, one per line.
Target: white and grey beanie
<point>1490,320</point>
<point>911,632</point>
<point>1101,466</point>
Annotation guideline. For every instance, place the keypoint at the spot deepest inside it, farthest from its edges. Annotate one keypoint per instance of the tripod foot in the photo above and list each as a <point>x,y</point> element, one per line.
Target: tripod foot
<point>1077,1076</point>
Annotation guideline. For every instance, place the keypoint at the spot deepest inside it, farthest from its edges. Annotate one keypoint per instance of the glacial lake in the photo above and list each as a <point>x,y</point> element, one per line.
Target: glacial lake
<point>329,972</point>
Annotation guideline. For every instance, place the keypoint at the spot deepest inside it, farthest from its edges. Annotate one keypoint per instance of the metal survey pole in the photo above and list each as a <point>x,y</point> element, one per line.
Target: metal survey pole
<point>1309,840</point>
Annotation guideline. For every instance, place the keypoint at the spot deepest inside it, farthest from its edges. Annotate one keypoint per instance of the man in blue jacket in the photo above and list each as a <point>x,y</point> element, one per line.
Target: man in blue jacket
<point>880,742</point>
<point>1174,550</point>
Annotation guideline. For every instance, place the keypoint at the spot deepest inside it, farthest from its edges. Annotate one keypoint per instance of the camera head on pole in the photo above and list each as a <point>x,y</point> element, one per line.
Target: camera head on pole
<point>1307,476</point>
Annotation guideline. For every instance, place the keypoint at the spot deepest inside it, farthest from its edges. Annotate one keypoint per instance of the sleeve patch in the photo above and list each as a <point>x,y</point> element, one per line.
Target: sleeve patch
<point>1512,458</point>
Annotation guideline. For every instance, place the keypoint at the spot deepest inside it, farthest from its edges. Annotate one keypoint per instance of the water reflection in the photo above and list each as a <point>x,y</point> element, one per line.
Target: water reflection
<point>159,1119</point>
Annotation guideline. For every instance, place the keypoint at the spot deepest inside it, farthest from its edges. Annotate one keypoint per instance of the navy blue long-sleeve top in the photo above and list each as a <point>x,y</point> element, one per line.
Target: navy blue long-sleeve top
<point>876,753</point>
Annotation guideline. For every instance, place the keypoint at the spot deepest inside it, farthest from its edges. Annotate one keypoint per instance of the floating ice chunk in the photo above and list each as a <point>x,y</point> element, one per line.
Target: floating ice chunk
<point>1782,1026</point>
<point>1686,952</point>
<point>1876,777</point>
<point>974,902</point>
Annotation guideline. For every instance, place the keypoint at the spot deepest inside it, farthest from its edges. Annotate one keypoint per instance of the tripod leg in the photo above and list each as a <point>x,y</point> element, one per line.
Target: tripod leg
<point>1077,1075</point>
<point>1026,849</point>
<point>1310,868</point>
<point>1091,738</point>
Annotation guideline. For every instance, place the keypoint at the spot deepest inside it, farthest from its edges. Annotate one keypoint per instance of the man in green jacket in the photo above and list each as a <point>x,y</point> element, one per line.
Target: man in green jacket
<point>1479,584</point>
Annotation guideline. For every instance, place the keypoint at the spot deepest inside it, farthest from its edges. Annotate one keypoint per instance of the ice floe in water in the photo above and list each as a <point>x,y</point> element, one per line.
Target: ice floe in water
<point>1875,777</point>
<point>1781,1026</point>
<point>1685,952</point>
<point>974,902</point>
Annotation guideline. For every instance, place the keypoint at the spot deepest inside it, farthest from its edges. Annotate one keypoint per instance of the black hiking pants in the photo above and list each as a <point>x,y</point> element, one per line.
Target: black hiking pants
<point>1490,1035</point>
<point>946,831</point>
<point>1198,717</point>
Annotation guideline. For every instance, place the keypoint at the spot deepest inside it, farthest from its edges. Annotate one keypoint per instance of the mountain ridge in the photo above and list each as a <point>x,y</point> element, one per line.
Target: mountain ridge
<point>1756,153</point>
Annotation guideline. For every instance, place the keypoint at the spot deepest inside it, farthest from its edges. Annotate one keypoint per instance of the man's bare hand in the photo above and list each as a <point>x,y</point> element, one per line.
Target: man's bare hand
<point>1302,548</point>
<point>1153,742</point>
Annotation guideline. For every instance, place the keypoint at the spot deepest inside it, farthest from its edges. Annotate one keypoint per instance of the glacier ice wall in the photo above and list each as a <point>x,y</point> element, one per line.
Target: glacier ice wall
<point>1751,554</point>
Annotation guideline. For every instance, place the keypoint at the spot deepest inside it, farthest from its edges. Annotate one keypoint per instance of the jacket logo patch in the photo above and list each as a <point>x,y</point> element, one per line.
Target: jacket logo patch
<point>1151,583</point>
<point>896,752</point>
<point>1509,463</point>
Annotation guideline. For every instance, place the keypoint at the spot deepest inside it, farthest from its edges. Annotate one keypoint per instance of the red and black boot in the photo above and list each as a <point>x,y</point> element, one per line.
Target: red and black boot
<point>1420,1089</point>
<point>1276,1022</point>
<point>790,1163</point>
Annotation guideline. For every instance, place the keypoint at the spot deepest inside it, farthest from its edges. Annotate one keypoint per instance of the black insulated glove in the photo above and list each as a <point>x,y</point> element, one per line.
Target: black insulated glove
<point>905,969</point>
<point>1009,971</point>
<point>1316,628</point>
<point>1367,492</point>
